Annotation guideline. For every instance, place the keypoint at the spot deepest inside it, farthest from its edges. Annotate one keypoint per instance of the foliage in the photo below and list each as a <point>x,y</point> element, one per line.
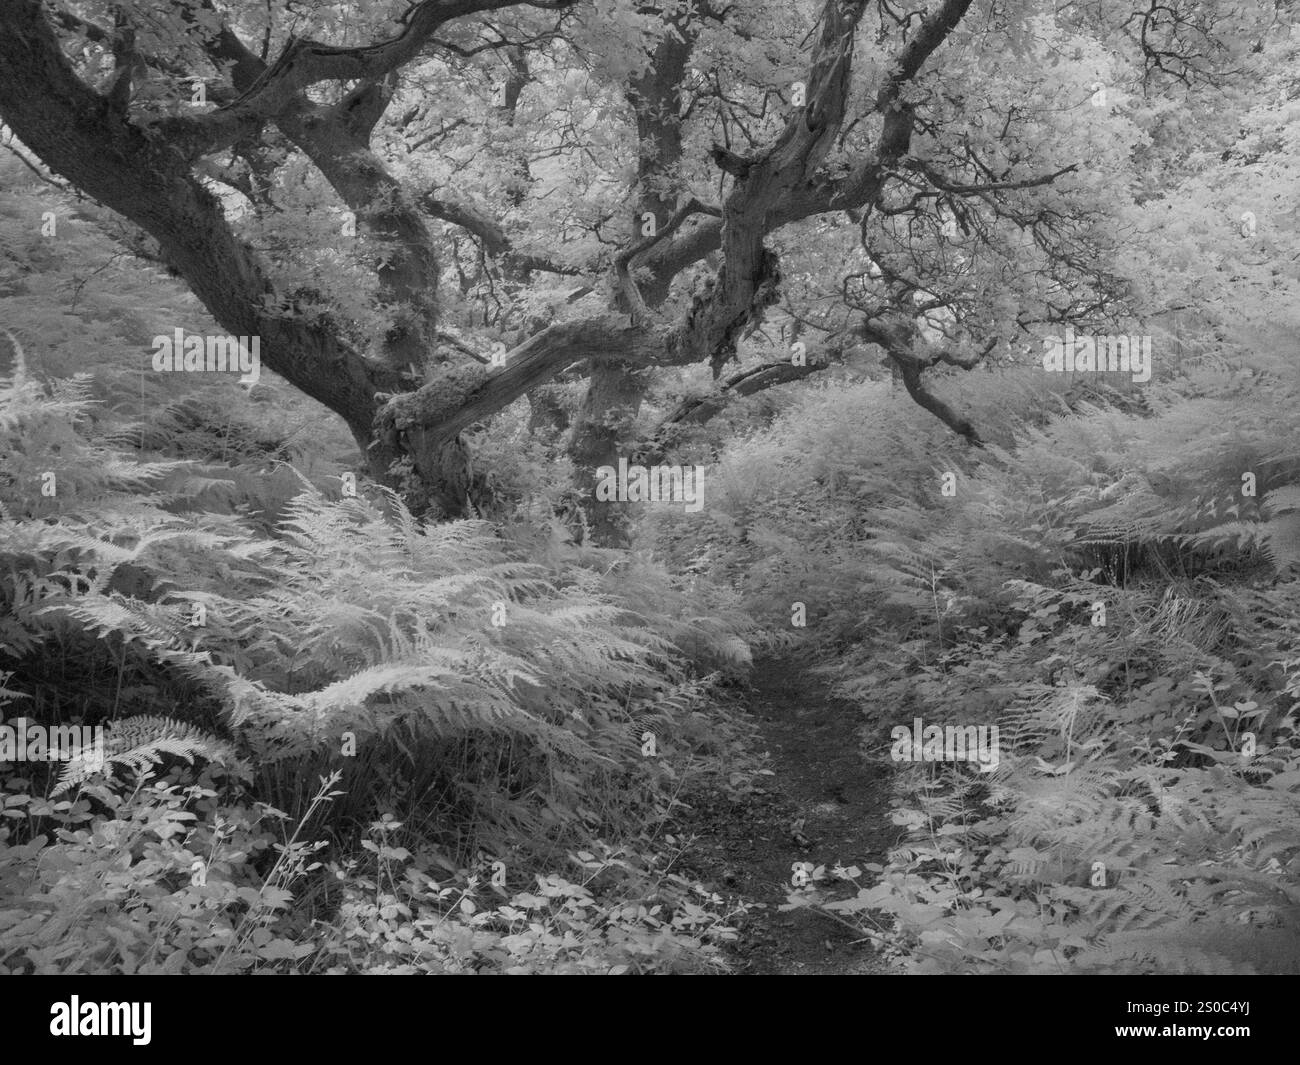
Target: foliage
<point>348,738</point>
<point>351,629</point>
<point>1081,591</point>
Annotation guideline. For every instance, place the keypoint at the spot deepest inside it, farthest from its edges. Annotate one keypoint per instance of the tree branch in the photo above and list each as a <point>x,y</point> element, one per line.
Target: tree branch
<point>603,339</point>
<point>76,134</point>
<point>696,410</point>
<point>623,260</point>
<point>305,62</point>
<point>944,184</point>
<point>897,335</point>
<point>496,243</point>
<point>911,374</point>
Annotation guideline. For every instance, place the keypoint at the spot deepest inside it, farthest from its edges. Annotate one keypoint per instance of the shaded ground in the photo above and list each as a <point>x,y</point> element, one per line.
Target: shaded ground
<point>824,805</point>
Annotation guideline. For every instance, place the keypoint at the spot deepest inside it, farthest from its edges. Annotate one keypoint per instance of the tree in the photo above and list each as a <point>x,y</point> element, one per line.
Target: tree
<point>738,123</point>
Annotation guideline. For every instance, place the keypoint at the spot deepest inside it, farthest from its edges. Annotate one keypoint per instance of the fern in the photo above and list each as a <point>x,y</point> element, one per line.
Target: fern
<point>137,743</point>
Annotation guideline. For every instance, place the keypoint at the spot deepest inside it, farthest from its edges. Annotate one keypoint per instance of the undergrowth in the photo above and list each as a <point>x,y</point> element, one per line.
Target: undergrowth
<point>1107,588</point>
<point>343,740</point>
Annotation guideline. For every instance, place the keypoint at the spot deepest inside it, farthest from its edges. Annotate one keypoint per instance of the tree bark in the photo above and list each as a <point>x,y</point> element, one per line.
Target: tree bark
<point>616,389</point>
<point>145,170</point>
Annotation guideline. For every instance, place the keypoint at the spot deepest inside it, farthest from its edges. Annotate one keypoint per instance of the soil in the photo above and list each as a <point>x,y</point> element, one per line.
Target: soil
<point>824,805</point>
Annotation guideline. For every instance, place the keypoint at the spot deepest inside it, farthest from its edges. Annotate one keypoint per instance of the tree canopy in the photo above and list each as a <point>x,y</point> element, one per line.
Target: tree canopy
<point>643,445</point>
<point>389,197</point>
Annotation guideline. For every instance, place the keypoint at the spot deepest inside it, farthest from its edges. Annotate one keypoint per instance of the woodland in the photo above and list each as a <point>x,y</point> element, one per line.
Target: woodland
<point>628,487</point>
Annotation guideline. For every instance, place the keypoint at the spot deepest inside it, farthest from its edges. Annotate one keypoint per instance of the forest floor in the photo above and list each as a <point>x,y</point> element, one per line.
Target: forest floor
<point>824,805</point>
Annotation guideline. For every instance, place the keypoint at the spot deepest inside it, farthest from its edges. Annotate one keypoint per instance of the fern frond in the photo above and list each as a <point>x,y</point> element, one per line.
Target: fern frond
<point>136,743</point>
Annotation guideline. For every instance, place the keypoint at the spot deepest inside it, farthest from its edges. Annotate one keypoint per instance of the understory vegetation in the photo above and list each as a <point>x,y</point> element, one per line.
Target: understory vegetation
<point>1098,587</point>
<point>387,684</point>
<point>347,666</point>
<point>347,766</point>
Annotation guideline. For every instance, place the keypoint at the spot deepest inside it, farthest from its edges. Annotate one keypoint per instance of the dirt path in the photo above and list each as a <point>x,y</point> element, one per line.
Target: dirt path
<point>842,802</point>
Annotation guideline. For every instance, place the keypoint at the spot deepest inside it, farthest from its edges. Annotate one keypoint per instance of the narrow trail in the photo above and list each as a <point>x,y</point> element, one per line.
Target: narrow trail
<point>824,805</point>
